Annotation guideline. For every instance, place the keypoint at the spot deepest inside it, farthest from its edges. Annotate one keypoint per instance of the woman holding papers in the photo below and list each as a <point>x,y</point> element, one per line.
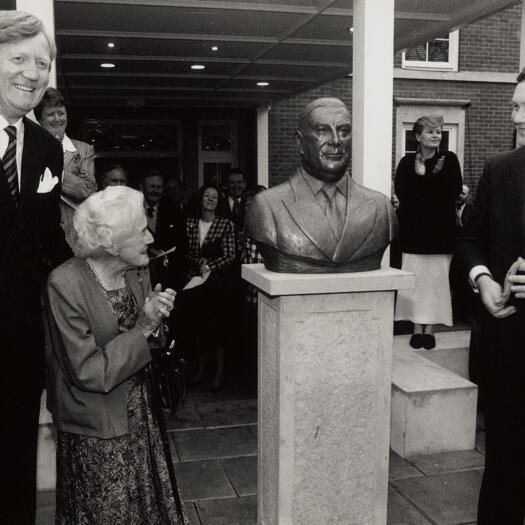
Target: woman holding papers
<point>209,258</point>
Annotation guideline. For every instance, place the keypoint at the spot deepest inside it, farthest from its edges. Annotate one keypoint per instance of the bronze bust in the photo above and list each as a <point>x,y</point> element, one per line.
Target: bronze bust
<point>320,220</point>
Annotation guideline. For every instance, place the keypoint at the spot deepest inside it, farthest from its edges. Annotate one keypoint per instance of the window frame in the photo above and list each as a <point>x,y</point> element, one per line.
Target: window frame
<point>450,65</point>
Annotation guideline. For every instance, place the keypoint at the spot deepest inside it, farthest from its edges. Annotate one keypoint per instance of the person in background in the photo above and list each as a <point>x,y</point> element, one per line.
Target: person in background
<point>175,192</point>
<point>462,205</point>
<point>31,243</point>
<point>111,464</point>
<point>235,187</point>
<point>247,357</point>
<point>427,184</point>
<point>114,175</point>
<point>204,318</point>
<point>166,224</point>
<point>78,177</point>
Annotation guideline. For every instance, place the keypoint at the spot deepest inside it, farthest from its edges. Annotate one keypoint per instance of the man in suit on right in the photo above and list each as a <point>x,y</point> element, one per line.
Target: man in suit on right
<point>492,240</point>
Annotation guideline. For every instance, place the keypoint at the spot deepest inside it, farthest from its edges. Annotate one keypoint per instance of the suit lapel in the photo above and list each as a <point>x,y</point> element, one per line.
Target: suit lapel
<point>360,219</point>
<point>30,161</point>
<point>309,216</point>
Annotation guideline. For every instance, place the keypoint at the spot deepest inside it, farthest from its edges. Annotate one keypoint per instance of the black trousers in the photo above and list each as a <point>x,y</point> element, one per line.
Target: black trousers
<point>18,447</point>
<point>502,495</point>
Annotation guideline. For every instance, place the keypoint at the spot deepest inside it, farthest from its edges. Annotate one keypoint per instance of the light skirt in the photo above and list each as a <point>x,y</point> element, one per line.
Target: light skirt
<point>429,302</point>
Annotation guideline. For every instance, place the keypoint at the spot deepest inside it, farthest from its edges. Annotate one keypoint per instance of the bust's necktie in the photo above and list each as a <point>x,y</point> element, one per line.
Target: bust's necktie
<point>9,163</point>
<point>332,212</point>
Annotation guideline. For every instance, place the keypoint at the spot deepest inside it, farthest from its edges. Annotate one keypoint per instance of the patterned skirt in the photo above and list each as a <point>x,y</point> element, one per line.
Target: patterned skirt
<point>118,481</point>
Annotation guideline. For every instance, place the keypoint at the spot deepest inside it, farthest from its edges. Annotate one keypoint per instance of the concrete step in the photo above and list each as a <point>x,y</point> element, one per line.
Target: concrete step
<point>451,352</point>
<point>433,410</point>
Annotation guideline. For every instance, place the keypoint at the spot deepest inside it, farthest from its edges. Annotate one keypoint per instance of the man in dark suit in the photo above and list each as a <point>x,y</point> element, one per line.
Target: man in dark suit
<point>320,220</point>
<point>235,188</point>
<point>166,224</point>
<point>31,243</point>
<point>492,239</point>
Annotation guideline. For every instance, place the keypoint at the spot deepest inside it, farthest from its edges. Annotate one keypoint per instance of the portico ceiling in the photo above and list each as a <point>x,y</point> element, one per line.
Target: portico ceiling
<point>292,45</point>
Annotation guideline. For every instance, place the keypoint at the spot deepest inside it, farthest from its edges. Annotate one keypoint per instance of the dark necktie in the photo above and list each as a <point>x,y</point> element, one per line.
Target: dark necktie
<point>150,211</point>
<point>9,163</point>
<point>236,212</point>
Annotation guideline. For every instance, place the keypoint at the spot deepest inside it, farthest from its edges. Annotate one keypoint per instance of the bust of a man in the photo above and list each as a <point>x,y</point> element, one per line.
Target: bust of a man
<point>320,220</point>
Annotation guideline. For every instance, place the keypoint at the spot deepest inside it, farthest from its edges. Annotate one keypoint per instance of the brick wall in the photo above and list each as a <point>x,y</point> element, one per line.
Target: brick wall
<point>488,45</point>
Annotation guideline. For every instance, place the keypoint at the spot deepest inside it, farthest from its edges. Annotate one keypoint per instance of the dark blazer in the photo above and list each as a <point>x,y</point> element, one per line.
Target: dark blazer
<point>169,232</point>
<point>291,229</point>
<point>493,234</point>
<point>88,360</point>
<point>218,246</point>
<point>31,243</point>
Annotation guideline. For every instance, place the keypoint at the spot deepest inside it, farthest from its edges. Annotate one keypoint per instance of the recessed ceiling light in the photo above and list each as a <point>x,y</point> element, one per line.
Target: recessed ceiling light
<point>351,29</point>
<point>107,65</point>
<point>263,84</point>
<point>197,66</point>
<point>111,44</point>
<point>215,48</point>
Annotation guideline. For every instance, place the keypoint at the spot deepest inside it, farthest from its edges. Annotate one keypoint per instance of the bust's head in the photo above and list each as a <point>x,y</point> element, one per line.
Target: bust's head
<point>324,139</point>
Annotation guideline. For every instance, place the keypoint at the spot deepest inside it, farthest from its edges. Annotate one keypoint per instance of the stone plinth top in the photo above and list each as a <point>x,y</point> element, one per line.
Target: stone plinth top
<point>273,283</point>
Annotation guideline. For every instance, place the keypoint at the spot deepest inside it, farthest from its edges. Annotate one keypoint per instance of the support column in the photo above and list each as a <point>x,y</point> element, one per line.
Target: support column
<point>325,362</point>
<point>43,9</point>
<point>262,145</point>
<point>372,89</point>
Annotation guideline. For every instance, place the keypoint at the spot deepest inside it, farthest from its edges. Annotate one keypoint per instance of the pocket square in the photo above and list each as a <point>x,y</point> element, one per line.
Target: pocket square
<point>47,182</point>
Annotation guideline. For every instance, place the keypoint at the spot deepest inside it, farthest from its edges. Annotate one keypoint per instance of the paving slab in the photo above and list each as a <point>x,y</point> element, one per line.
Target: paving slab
<point>228,413</point>
<point>448,462</point>
<point>242,473</point>
<point>400,468</point>
<point>185,418</point>
<point>203,480</point>
<point>191,512</point>
<point>215,443</point>
<point>402,512</point>
<point>447,499</point>
<point>235,511</point>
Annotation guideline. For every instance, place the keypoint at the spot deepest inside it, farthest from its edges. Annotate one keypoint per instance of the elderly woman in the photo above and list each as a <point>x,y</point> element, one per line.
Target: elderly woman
<point>78,178</point>
<point>210,254</point>
<point>111,465</point>
<point>427,185</point>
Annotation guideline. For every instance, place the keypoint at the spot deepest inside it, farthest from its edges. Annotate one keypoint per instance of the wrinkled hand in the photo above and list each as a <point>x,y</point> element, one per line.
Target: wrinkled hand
<point>492,297</point>
<point>158,305</point>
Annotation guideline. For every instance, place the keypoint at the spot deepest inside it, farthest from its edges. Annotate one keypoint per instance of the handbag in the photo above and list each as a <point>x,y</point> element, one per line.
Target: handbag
<point>168,369</point>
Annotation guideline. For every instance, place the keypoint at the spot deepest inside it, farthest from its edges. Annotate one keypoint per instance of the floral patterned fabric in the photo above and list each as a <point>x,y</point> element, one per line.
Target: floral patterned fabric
<point>123,480</point>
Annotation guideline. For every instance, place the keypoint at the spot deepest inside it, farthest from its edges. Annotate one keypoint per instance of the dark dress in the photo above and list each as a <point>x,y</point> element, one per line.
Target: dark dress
<point>122,480</point>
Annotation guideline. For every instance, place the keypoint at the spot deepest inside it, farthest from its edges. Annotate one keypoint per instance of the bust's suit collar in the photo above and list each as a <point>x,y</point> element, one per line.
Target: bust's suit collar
<point>310,218</point>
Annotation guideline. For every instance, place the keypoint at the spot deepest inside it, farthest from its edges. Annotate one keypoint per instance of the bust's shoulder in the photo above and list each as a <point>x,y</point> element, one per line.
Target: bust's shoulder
<point>364,192</point>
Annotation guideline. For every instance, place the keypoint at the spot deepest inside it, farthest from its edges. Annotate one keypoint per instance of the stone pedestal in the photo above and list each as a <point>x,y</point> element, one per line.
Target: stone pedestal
<point>325,360</point>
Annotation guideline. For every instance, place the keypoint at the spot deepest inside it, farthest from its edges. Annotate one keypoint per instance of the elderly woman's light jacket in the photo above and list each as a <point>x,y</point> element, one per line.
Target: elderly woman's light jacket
<point>88,360</point>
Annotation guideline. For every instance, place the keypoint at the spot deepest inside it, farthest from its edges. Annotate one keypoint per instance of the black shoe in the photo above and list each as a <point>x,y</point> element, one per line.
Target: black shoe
<point>429,341</point>
<point>416,341</point>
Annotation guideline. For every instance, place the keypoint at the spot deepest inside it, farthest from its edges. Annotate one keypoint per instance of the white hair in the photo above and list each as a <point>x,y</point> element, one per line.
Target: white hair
<point>103,216</point>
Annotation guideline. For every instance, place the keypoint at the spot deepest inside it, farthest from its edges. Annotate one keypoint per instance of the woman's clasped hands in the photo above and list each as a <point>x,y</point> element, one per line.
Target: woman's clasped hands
<point>158,305</point>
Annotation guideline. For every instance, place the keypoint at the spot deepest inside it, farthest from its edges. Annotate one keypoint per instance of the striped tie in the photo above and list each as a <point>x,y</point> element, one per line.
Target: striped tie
<point>9,162</point>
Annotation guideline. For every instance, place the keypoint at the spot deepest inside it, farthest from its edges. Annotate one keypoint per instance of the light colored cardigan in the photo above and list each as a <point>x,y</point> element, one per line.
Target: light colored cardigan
<point>88,360</point>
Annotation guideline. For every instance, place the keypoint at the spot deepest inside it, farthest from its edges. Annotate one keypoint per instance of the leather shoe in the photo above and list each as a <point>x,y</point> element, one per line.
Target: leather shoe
<point>416,341</point>
<point>429,341</point>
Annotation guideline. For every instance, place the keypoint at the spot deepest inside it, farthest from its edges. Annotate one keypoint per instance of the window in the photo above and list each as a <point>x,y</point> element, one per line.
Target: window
<point>438,54</point>
<point>217,150</point>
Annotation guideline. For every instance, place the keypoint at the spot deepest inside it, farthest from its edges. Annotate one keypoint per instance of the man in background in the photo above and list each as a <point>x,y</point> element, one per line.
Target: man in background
<point>114,175</point>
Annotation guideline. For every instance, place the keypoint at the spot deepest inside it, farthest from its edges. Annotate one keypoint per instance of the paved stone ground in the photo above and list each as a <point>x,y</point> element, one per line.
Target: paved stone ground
<point>214,446</point>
